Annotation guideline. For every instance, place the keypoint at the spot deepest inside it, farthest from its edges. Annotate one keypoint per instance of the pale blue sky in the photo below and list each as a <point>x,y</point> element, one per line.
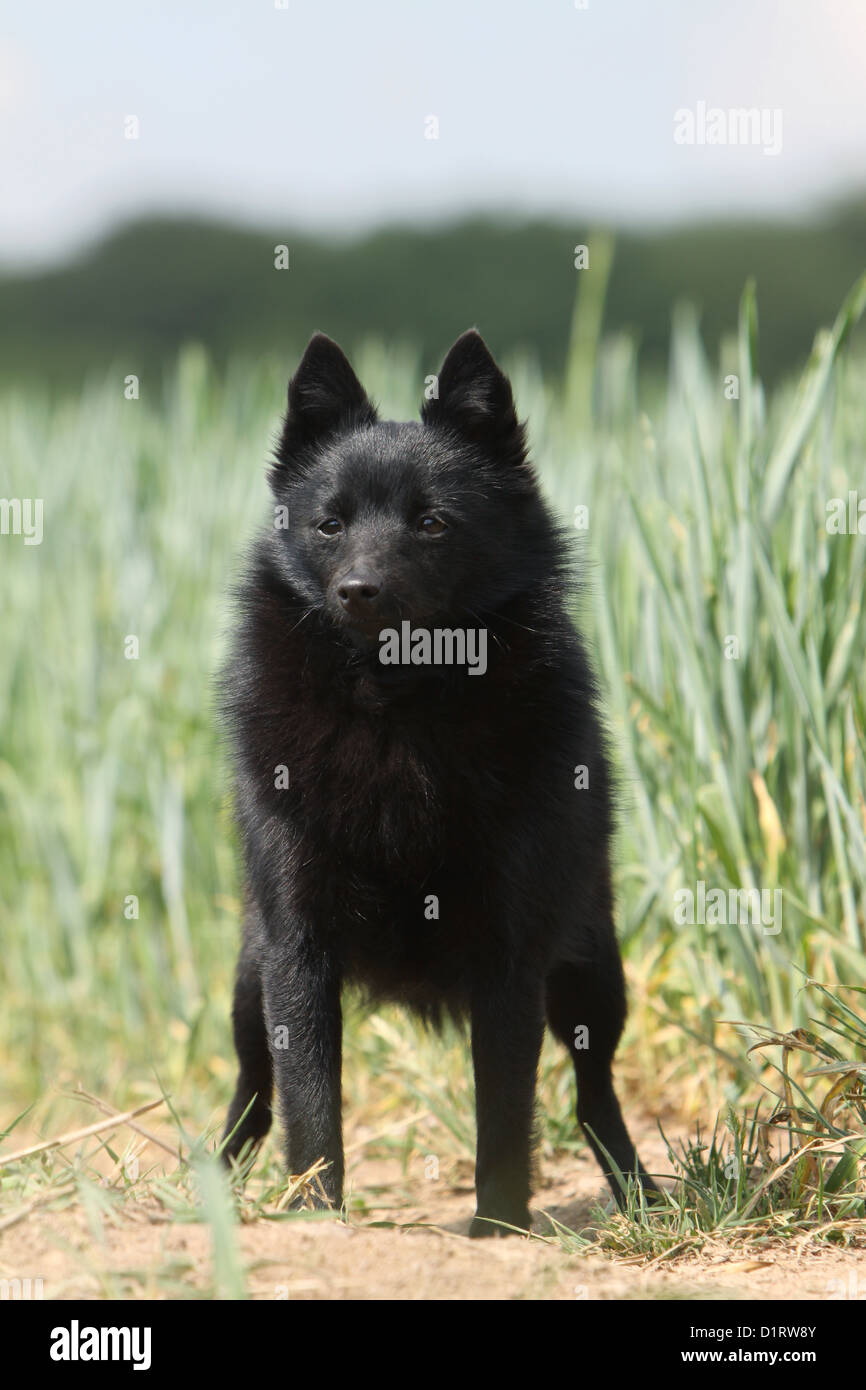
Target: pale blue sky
<point>314,114</point>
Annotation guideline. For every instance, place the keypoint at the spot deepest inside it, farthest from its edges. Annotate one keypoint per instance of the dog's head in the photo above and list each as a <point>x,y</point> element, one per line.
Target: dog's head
<point>378,522</point>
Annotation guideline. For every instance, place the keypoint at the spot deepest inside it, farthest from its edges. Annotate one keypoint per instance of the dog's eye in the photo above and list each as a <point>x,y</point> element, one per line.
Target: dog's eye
<point>332,527</point>
<point>432,525</point>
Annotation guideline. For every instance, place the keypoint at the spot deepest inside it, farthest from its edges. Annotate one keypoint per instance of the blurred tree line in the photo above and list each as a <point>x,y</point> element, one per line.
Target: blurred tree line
<point>153,285</point>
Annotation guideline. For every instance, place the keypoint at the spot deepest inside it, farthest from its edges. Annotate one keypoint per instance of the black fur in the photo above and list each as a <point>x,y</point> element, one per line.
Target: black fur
<point>409,785</point>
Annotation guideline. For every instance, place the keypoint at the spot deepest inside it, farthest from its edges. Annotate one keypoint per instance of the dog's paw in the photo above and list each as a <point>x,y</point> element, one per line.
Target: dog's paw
<point>500,1225</point>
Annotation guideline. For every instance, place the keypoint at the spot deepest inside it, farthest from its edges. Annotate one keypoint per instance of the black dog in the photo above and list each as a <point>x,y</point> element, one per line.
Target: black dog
<point>437,833</point>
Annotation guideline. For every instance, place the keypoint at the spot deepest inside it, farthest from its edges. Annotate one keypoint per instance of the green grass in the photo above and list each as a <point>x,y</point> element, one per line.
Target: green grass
<point>707,520</point>
<point>792,1169</point>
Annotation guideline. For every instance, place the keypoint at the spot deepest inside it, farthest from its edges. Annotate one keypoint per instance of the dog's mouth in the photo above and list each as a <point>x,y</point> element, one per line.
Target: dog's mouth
<point>366,629</point>
<point>365,632</point>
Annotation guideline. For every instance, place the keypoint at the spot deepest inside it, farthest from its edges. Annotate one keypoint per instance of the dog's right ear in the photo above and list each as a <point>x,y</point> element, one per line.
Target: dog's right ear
<point>474,396</point>
<point>324,395</point>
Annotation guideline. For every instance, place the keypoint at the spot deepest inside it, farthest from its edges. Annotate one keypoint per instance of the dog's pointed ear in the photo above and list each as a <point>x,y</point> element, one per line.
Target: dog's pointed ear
<point>474,396</point>
<point>324,395</point>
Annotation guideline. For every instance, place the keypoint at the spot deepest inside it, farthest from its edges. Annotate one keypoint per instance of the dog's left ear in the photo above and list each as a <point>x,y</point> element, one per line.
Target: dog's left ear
<point>474,395</point>
<point>324,395</point>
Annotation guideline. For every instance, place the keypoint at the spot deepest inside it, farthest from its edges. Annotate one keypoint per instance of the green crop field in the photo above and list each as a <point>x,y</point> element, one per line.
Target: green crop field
<point>723,604</point>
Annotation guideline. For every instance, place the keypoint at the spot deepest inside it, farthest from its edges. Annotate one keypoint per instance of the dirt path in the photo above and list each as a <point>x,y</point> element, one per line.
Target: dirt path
<point>141,1252</point>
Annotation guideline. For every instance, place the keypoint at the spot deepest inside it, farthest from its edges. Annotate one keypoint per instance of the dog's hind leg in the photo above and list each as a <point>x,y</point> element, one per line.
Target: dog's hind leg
<point>586,1010</point>
<point>255,1077</point>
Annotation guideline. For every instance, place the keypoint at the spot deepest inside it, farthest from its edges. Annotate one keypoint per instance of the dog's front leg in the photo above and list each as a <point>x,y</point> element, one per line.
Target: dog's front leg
<point>507,1032</point>
<point>303,1016</point>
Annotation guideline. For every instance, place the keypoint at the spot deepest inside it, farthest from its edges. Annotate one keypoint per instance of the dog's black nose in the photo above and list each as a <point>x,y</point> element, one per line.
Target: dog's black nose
<point>357,593</point>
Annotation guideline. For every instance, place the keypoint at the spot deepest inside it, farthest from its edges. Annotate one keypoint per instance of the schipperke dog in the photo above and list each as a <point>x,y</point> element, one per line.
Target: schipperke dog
<point>434,827</point>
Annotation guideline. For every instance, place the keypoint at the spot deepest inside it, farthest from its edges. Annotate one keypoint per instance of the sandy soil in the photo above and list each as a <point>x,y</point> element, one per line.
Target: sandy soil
<point>143,1253</point>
